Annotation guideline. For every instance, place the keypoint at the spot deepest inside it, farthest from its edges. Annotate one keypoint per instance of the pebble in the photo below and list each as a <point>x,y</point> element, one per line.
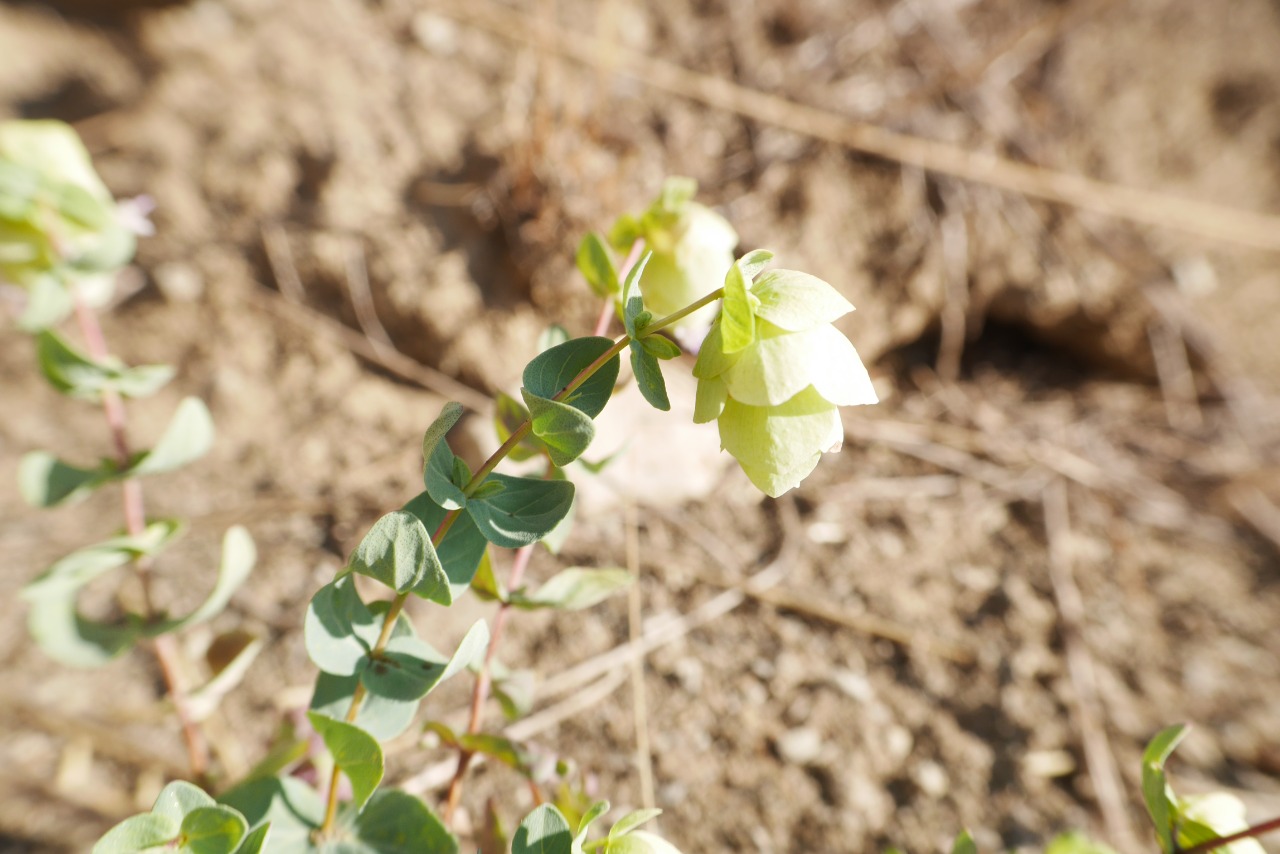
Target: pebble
<point>853,685</point>
<point>931,778</point>
<point>178,281</point>
<point>800,746</point>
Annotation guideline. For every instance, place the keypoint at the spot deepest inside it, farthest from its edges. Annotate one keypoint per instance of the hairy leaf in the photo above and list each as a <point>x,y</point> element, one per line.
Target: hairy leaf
<point>524,512</point>
<point>355,751</point>
<point>549,373</point>
<point>564,429</point>
<point>574,589</point>
<point>461,549</point>
<point>398,552</point>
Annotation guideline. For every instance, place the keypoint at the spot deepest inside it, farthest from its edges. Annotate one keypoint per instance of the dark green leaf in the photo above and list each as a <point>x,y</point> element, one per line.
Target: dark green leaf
<point>439,479</point>
<point>649,378</point>
<point>254,840</point>
<point>660,346</point>
<point>737,320</point>
<point>462,548</point>
<point>508,416</point>
<point>596,266</point>
<point>290,806</point>
<point>574,589</point>
<point>632,300</point>
<point>68,370</point>
<point>395,822</point>
<point>565,430</point>
<point>398,552</point>
<point>46,481</point>
<point>354,751</point>
<point>410,668</point>
<point>543,831</point>
<point>526,510</point>
<point>550,372</point>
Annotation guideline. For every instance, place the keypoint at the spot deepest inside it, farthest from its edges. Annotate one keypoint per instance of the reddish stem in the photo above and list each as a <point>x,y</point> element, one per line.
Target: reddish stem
<point>1247,833</point>
<point>135,518</point>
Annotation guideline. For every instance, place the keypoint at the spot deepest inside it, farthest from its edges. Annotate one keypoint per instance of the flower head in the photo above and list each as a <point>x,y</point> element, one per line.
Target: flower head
<point>692,247</point>
<point>773,372</point>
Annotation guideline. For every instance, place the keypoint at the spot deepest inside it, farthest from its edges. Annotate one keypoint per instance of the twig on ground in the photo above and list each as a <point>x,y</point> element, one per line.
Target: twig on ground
<point>954,236</point>
<point>1099,760</point>
<point>362,296</point>
<point>275,240</point>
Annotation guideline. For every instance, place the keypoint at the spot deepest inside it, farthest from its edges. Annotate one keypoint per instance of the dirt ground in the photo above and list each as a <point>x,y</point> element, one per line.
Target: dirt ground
<point>1057,533</point>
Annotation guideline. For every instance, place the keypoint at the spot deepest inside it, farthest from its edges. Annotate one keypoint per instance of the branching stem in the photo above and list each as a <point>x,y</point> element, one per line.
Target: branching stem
<point>1248,833</point>
<point>135,517</point>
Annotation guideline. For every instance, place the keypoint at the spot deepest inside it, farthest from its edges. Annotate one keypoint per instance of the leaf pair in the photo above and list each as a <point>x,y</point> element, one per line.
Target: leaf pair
<point>75,374</point>
<point>546,831</point>
<point>646,350</point>
<point>187,821</point>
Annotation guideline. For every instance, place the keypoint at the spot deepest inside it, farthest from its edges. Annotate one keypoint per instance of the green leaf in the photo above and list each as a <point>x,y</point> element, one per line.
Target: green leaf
<point>632,299</point>
<point>753,262</point>
<point>339,629</point>
<point>291,807</point>
<point>624,232</point>
<point>449,415</point>
<point>46,481</point>
<point>238,558</point>
<point>596,266</point>
<point>142,380</point>
<point>354,751</point>
<point>631,821</point>
<point>395,822</point>
<point>236,651</point>
<point>964,844</point>
<point>640,842</point>
<point>737,320</point>
<point>462,548</point>
<point>212,830</point>
<point>439,478</point>
<point>574,589</point>
<point>254,840</point>
<point>556,537</point>
<point>660,346</point>
<point>564,429</point>
<point>543,831</point>
<point>1159,799</point>
<point>77,569</point>
<point>649,378</point>
<point>48,303</point>
<point>593,812</point>
<point>509,414</point>
<point>549,373</point>
<point>524,512</point>
<point>410,668</point>
<point>179,798</point>
<point>139,833</point>
<point>513,690</point>
<point>485,584</point>
<point>382,717</point>
<point>496,747</point>
<point>553,336</point>
<point>1075,842</point>
<point>75,374</point>
<point>187,438</point>
<point>398,552</point>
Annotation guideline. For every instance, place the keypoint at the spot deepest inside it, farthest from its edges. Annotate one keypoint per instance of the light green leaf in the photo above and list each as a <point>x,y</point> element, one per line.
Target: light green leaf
<point>524,512</point>
<point>649,378</point>
<point>964,844</point>
<point>710,400</point>
<point>509,414</point>
<point>142,380</point>
<point>550,372</point>
<point>46,481</point>
<point>254,841</point>
<point>339,628</point>
<point>596,266</point>
<point>574,589</point>
<point>632,298</point>
<point>212,830</point>
<point>713,361</point>
<point>240,649</point>
<point>398,552</point>
<point>179,798</point>
<point>777,446</point>
<point>564,429</point>
<point>553,336</point>
<point>513,690</point>
<point>354,751</point>
<point>449,415</point>
<point>503,750</point>
<point>775,367</point>
<point>71,639</point>
<point>49,301</point>
<point>439,478</point>
<point>1075,842</point>
<point>1155,788</point>
<point>753,262</point>
<point>70,573</point>
<point>593,812</point>
<point>382,717</point>
<point>187,438</point>
<point>631,821</point>
<point>797,301</point>
<point>640,842</point>
<point>462,548</point>
<point>68,370</point>
<point>140,833</point>
<point>291,807</point>
<point>737,320</point>
<point>543,831</point>
<point>677,192</point>
<point>238,558</point>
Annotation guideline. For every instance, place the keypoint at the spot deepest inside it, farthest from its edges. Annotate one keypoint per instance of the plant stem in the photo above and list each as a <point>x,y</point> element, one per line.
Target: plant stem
<point>1247,833</point>
<point>480,692</point>
<point>164,646</point>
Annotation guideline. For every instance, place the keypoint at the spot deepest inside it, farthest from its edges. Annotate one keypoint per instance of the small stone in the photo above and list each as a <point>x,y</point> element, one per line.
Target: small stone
<point>435,33</point>
<point>800,746</point>
<point>931,778</point>
<point>688,672</point>
<point>178,281</point>
<point>853,685</point>
<point>898,743</point>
